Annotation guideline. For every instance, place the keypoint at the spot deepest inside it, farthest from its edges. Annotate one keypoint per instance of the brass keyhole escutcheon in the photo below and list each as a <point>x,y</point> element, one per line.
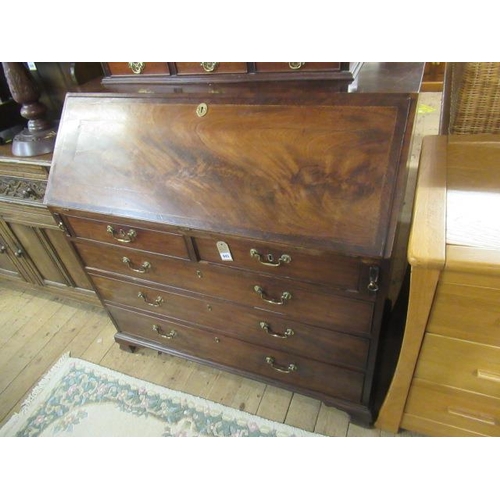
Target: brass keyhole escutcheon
<point>136,67</point>
<point>209,67</point>
<point>296,65</point>
<point>202,109</point>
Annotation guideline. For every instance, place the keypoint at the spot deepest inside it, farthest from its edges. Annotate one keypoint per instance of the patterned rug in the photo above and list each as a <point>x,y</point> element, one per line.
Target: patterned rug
<point>80,399</point>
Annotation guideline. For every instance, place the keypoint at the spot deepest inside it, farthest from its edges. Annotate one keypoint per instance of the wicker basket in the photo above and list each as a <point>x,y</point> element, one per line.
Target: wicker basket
<point>475,98</point>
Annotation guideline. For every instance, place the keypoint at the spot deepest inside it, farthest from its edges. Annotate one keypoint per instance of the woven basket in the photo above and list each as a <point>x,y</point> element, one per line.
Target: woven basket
<point>475,102</point>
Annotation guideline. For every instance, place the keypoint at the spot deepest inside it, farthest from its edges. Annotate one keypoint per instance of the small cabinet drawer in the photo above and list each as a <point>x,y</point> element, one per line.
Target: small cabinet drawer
<point>121,232</point>
<point>22,189</point>
<point>246,357</point>
<point>138,68</point>
<point>460,409</point>
<point>331,269</point>
<point>280,296</point>
<point>457,363</point>
<point>297,66</point>
<point>467,313</point>
<point>208,68</point>
<point>259,327</point>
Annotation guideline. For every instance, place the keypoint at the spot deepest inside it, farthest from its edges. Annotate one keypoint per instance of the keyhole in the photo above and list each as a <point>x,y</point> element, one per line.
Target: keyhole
<point>202,109</point>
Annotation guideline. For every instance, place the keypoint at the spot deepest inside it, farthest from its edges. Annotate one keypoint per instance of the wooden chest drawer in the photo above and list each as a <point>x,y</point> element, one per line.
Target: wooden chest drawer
<point>297,66</point>
<point>195,68</point>
<point>334,270</point>
<point>264,362</point>
<point>279,296</point>
<point>467,313</point>
<point>121,232</point>
<point>258,327</point>
<point>138,68</point>
<point>461,364</point>
<point>449,406</point>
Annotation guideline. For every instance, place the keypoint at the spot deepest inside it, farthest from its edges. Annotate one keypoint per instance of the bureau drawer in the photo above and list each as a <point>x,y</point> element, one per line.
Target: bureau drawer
<point>466,312</point>
<point>314,266</point>
<point>128,235</point>
<point>258,327</point>
<point>280,296</point>
<point>457,363</point>
<point>204,68</point>
<point>138,68</point>
<point>302,67</point>
<point>460,409</point>
<point>243,356</point>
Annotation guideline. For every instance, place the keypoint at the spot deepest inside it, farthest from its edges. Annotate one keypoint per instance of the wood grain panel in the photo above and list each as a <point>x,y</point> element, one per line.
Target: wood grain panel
<point>325,172</point>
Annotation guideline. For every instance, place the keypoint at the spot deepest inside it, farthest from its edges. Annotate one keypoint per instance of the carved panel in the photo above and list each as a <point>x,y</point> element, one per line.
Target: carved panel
<point>15,187</point>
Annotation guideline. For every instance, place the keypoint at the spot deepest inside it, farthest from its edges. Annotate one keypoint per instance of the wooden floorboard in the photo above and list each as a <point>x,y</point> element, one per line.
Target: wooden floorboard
<point>36,329</point>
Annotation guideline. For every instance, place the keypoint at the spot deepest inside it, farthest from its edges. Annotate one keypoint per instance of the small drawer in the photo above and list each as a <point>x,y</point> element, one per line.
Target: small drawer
<point>258,327</point>
<point>280,67</point>
<point>457,363</point>
<point>467,313</point>
<point>138,68</point>
<point>334,270</point>
<point>283,297</point>
<point>209,68</point>
<point>22,189</point>
<point>265,362</point>
<point>122,233</point>
<point>460,409</point>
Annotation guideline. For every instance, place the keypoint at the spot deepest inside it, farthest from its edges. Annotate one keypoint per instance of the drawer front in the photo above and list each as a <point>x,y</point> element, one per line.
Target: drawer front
<point>128,235</point>
<point>467,313</point>
<point>138,68</point>
<point>258,327</point>
<point>464,410</point>
<point>279,296</point>
<point>264,362</point>
<point>304,66</point>
<point>208,68</point>
<point>278,260</point>
<point>22,189</point>
<point>456,363</point>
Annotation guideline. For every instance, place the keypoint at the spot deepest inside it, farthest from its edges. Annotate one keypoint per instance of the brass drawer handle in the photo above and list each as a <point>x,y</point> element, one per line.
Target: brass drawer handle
<point>287,334</point>
<point>143,268</point>
<point>373,277</point>
<point>144,297</point>
<point>281,302</point>
<point>136,67</point>
<point>292,367</point>
<point>284,259</point>
<point>170,335</point>
<point>121,235</point>
<point>209,67</point>
<point>296,65</point>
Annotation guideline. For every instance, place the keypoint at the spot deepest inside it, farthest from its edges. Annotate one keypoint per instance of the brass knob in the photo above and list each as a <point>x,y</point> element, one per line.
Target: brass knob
<point>296,65</point>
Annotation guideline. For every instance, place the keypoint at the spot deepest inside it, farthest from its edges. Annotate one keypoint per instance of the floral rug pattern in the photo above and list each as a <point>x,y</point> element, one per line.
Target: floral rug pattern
<point>76,391</point>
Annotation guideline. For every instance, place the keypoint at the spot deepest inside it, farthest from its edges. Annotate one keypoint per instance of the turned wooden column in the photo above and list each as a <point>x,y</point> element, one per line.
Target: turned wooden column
<point>40,135</point>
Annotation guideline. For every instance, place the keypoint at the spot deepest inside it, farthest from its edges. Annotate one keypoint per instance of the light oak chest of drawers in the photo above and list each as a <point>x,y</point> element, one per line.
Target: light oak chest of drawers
<point>253,231</point>
<point>447,381</point>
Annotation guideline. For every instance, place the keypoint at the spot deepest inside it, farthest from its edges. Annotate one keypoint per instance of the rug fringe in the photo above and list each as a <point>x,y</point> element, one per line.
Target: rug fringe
<point>43,382</point>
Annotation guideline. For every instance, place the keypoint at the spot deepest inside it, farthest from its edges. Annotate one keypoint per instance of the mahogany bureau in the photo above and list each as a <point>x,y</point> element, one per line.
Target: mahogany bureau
<point>251,229</point>
<point>447,381</point>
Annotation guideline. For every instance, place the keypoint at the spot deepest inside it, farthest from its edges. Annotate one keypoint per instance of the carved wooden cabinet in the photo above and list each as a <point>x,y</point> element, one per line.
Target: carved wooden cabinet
<point>33,250</point>
<point>250,227</point>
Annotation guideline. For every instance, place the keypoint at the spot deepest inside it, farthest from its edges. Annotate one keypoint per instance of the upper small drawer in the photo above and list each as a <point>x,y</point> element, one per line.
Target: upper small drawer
<point>278,260</point>
<point>138,68</point>
<point>208,68</point>
<point>122,233</point>
<point>296,66</point>
<point>22,189</point>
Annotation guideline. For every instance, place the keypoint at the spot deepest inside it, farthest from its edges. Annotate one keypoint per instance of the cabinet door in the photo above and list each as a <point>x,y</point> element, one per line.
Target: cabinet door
<point>8,265</point>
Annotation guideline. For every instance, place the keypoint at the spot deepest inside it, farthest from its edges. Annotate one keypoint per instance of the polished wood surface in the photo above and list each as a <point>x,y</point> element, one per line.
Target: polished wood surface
<point>447,381</point>
<point>310,179</point>
<point>323,176</point>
